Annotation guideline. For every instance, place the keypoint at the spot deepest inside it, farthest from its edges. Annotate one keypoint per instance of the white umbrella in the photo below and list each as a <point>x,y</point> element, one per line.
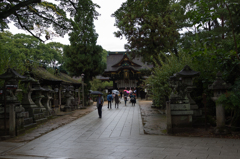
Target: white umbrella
<point>115,91</point>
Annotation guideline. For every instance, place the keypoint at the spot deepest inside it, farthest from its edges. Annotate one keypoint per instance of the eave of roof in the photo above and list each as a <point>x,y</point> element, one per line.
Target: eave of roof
<point>113,59</point>
<point>42,74</point>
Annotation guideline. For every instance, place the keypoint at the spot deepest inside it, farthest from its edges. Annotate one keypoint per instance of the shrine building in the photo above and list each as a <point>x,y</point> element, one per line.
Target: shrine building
<point>125,72</point>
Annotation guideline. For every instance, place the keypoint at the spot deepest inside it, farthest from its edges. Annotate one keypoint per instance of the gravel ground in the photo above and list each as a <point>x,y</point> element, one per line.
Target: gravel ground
<point>154,123</point>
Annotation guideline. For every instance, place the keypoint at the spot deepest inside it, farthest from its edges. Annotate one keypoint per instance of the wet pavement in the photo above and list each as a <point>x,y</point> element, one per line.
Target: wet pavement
<point>119,134</point>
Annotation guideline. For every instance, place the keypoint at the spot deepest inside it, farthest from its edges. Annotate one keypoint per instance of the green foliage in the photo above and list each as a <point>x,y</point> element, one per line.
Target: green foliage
<point>231,101</point>
<point>149,27</point>
<point>15,49</point>
<point>83,55</point>
<point>36,16</point>
<point>104,56</point>
<point>145,72</point>
<point>162,72</point>
<point>97,84</point>
<point>12,53</point>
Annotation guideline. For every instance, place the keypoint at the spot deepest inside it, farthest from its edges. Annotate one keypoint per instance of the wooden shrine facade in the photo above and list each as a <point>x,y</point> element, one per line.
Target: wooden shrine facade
<point>123,71</point>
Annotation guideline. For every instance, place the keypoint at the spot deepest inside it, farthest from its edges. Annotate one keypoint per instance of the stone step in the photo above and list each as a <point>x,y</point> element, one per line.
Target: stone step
<point>199,121</point>
<point>29,126</point>
<point>38,116</point>
<point>40,121</point>
<point>28,121</point>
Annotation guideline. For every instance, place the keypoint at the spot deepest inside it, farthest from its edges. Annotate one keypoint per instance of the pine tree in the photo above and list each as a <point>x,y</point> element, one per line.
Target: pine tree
<point>83,55</point>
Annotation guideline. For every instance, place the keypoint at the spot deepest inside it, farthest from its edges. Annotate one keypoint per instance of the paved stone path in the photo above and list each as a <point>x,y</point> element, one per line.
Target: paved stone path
<point>118,135</point>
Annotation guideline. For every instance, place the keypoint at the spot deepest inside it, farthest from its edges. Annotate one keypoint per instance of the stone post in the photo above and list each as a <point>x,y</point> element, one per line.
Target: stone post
<point>169,118</point>
<point>219,87</point>
<point>12,120</point>
<point>82,90</point>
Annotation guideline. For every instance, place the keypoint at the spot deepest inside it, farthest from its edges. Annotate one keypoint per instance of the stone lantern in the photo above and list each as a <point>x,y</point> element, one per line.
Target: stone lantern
<point>46,99</point>
<point>37,97</point>
<point>219,87</point>
<point>9,100</point>
<point>180,108</point>
<point>69,96</point>
<point>34,111</point>
<point>27,101</point>
<point>186,76</point>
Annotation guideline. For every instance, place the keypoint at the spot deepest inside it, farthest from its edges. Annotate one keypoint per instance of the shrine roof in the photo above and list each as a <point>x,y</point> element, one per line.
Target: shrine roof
<point>11,74</point>
<point>102,78</point>
<point>42,74</point>
<point>114,58</point>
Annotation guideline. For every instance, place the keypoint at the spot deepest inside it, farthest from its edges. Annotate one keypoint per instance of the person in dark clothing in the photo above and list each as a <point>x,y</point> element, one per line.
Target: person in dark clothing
<point>116,101</point>
<point>133,99</point>
<point>100,102</point>
<point>109,99</point>
<point>113,95</point>
<point>125,97</point>
<point>121,93</point>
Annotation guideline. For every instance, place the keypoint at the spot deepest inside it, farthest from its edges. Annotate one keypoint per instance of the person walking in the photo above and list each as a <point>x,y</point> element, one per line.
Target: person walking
<point>119,97</point>
<point>109,99</point>
<point>130,91</point>
<point>125,97</point>
<point>133,99</point>
<point>100,102</point>
<point>121,93</point>
<point>113,95</point>
<point>116,101</point>
<point>135,92</point>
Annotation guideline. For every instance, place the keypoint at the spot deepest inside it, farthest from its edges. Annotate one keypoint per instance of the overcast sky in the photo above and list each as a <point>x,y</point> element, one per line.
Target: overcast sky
<point>104,27</point>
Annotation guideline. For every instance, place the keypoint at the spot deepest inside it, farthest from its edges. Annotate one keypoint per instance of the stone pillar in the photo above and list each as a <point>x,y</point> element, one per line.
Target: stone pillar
<point>82,75</point>
<point>219,87</point>
<point>12,120</point>
<point>220,115</point>
<point>169,118</point>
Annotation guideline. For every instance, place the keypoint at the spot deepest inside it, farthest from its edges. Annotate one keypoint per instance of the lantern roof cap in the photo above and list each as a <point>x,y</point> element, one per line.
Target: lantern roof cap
<point>28,78</point>
<point>11,74</point>
<point>187,72</point>
<point>47,89</point>
<point>219,83</point>
<point>37,87</point>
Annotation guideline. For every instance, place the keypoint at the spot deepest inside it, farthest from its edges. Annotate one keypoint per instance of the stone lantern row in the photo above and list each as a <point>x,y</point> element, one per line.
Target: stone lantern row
<point>181,108</point>
<point>35,106</point>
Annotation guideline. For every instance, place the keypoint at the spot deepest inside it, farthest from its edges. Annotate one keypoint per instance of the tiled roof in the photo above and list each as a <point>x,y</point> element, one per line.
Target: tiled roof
<point>42,74</point>
<point>102,78</point>
<point>115,57</point>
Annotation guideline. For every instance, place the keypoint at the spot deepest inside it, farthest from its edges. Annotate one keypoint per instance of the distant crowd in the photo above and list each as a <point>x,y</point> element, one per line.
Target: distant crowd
<point>127,95</point>
<point>115,95</point>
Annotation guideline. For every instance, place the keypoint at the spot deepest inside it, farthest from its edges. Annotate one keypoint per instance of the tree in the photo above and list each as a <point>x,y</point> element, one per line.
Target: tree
<point>148,26</point>
<point>104,56</point>
<point>215,31</point>
<point>83,55</point>
<point>12,55</point>
<point>34,15</point>
<point>15,49</point>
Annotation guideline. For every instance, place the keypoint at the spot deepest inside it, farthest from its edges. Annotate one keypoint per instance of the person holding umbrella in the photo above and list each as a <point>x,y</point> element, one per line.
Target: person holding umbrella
<point>125,97</point>
<point>100,102</point>
<point>109,99</point>
<point>133,99</point>
<point>116,101</point>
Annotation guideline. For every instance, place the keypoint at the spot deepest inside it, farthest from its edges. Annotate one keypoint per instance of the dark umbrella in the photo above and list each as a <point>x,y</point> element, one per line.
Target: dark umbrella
<point>96,93</point>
